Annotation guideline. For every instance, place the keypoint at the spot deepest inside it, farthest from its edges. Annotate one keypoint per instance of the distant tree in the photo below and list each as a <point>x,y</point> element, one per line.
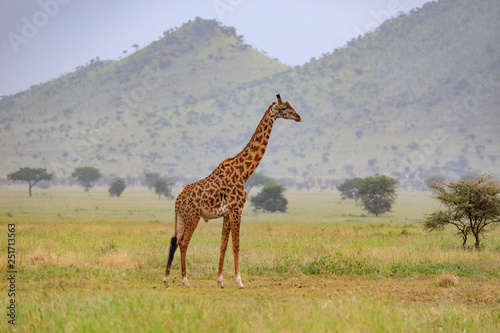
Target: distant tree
<point>30,175</point>
<point>45,184</point>
<point>85,176</point>
<point>162,186</point>
<point>136,47</point>
<point>150,178</point>
<point>349,189</point>
<point>470,204</point>
<point>270,199</point>
<point>258,179</point>
<point>117,187</point>
<point>377,193</point>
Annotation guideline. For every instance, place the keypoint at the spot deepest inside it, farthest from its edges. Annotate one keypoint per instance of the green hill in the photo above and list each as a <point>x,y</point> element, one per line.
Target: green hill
<point>409,99</point>
<point>418,96</point>
<point>144,112</point>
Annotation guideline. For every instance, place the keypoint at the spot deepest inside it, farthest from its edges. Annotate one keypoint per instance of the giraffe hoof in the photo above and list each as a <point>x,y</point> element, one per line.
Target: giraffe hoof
<point>185,283</point>
<point>238,282</point>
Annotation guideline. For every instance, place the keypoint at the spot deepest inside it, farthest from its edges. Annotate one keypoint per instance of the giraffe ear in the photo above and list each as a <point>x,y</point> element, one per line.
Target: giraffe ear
<point>279,98</point>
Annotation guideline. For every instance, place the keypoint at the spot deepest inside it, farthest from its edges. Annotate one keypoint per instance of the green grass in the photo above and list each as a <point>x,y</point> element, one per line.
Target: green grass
<point>87,262</point>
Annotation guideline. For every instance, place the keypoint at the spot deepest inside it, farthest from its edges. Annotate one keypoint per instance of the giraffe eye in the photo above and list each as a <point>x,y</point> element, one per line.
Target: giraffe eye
<point>283,109</point>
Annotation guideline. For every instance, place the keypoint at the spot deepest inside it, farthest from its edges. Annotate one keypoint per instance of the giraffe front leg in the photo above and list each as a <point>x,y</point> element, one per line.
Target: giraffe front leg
<point>235,234</point>
<point>185,281</point>
<point>223,247</point>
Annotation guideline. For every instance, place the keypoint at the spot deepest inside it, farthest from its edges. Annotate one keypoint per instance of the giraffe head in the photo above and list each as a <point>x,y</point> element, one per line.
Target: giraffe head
<point>284,110</point>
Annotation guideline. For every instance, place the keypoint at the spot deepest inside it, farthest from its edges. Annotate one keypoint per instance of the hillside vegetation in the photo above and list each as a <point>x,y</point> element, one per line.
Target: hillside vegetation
<point>416,97</point>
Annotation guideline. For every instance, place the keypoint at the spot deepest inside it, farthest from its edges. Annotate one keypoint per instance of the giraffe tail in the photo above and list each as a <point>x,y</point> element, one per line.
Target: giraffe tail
<point>173,242</point>
<point>173,247</point>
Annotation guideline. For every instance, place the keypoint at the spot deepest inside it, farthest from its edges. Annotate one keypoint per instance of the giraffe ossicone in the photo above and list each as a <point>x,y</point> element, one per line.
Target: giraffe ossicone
<point>222,194</point>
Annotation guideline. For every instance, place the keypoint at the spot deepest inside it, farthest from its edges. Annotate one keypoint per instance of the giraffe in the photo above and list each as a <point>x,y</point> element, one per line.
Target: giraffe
<point>222,194</point>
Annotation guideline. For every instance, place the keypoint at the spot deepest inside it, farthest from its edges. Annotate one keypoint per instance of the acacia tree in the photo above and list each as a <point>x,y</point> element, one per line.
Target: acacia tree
<point>85,176</point>
<point>434,179</point>
<point>470,204</point>
<point>377,193</point>
<point>30,175</point>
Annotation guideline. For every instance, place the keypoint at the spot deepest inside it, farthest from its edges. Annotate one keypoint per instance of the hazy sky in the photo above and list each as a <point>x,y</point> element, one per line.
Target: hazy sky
<point>42,39</point>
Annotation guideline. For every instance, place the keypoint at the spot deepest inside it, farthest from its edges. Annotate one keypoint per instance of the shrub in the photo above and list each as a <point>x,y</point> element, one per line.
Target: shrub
<point>117,187</point>
<point>270,199</point>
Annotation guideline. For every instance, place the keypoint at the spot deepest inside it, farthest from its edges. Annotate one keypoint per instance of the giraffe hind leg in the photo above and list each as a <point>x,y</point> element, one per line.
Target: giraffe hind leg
<point>189,227</point>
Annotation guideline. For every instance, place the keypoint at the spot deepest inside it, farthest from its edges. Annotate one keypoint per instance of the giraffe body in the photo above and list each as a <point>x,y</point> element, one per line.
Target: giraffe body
<point>222,194</point>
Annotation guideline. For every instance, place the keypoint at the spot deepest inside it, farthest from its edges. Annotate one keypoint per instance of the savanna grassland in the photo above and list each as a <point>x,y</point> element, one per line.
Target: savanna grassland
<point>87,262</point>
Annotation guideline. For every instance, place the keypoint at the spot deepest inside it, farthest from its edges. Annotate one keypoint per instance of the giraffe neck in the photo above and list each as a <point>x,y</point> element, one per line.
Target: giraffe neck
<point>249,158</point>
